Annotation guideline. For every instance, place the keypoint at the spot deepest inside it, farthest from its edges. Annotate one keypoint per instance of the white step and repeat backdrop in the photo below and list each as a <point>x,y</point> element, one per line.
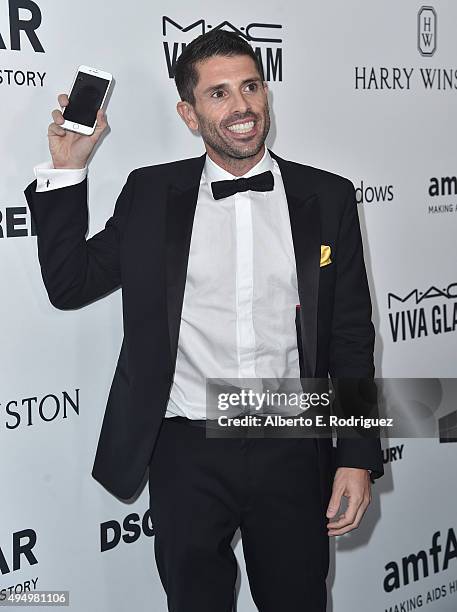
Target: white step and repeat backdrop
<point>365,89</point>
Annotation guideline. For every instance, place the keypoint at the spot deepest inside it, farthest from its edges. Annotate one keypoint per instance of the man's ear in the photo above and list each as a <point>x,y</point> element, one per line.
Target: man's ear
<point>187,114</point>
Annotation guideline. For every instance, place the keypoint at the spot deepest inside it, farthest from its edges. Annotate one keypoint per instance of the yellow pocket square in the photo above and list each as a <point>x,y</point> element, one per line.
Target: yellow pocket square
<point>325,255</point>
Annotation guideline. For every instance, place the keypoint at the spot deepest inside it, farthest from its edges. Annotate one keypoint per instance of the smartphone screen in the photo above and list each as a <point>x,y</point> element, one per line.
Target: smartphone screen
<point>85,99</point>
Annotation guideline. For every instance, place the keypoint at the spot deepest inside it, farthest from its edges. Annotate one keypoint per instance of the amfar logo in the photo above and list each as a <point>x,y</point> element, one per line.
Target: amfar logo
<point>426,31</point>
<point>23,543</point>
<point>417,322</point>
<point>442,187</point>
<point>18,25</point>
<point>417,566</point>
<point>265,33</point>
<point>20,30</point>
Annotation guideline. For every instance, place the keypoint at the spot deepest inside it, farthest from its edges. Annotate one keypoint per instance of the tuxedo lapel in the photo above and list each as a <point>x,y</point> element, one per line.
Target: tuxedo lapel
<point>181,205</point>
<point>304,214</point>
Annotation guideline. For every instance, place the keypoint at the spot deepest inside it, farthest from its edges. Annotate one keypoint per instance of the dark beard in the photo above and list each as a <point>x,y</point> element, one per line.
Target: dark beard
<point>212,138</point>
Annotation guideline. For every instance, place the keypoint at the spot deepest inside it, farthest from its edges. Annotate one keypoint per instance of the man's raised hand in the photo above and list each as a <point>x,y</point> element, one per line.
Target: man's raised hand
<point>69,149</point>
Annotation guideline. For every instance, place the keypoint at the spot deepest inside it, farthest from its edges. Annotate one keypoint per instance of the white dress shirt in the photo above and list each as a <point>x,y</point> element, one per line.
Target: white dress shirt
<point>238,316</point>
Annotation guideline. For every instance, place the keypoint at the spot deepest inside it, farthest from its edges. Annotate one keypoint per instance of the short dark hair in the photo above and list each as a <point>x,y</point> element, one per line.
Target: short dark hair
<point>214,42</point>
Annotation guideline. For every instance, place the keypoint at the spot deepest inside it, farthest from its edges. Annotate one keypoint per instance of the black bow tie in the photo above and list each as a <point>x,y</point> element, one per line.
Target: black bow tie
<point>259,182</point>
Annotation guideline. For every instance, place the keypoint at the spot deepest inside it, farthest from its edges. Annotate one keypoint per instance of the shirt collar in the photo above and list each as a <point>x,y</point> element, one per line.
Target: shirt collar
<point>213,172</point>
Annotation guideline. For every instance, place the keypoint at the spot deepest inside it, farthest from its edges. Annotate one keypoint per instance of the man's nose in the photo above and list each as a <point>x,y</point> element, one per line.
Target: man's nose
<point>239,103</point>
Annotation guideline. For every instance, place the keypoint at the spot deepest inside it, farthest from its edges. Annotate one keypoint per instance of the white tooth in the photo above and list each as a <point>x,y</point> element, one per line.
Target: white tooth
<point>241,127</point>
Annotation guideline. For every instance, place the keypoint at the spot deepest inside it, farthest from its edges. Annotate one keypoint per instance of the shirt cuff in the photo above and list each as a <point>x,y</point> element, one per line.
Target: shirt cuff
<point>49,178</point>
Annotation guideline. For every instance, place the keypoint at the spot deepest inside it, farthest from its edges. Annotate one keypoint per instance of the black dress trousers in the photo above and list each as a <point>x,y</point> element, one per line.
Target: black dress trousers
<point>202,489</point>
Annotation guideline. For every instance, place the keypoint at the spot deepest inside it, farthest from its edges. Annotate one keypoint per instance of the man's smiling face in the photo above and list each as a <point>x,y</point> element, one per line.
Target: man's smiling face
<point>231,107</point>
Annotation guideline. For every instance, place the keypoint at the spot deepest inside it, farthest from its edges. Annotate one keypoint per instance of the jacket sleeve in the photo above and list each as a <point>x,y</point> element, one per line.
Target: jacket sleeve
<point>353,336</point>
<point>77,271</point>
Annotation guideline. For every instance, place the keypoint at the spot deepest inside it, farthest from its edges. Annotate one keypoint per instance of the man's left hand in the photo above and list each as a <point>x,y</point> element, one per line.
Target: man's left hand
<point>353,483</point>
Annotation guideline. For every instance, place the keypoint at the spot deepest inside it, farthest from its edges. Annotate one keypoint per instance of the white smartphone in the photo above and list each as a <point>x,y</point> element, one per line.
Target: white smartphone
<point>88,93</point>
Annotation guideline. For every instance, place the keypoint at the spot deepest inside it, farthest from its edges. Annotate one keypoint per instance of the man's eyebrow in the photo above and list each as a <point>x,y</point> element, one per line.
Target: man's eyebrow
<point>222,85</point>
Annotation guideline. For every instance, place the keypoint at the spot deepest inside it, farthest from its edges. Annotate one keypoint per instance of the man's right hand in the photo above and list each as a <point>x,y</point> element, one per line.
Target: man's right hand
<point>69,149</point>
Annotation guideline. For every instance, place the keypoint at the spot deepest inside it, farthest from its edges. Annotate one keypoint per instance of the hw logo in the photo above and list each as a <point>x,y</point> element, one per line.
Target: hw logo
<point>426,31</point>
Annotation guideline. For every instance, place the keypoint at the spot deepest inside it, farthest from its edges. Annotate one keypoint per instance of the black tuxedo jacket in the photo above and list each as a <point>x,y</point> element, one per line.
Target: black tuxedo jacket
<point>144,248</point>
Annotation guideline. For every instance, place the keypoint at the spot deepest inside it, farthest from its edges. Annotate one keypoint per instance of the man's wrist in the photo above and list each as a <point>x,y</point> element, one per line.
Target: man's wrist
<point>49,178</point>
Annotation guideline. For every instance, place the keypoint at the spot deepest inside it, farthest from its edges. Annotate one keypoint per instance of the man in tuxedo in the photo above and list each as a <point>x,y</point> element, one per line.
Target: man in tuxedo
<point>234,264</point>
